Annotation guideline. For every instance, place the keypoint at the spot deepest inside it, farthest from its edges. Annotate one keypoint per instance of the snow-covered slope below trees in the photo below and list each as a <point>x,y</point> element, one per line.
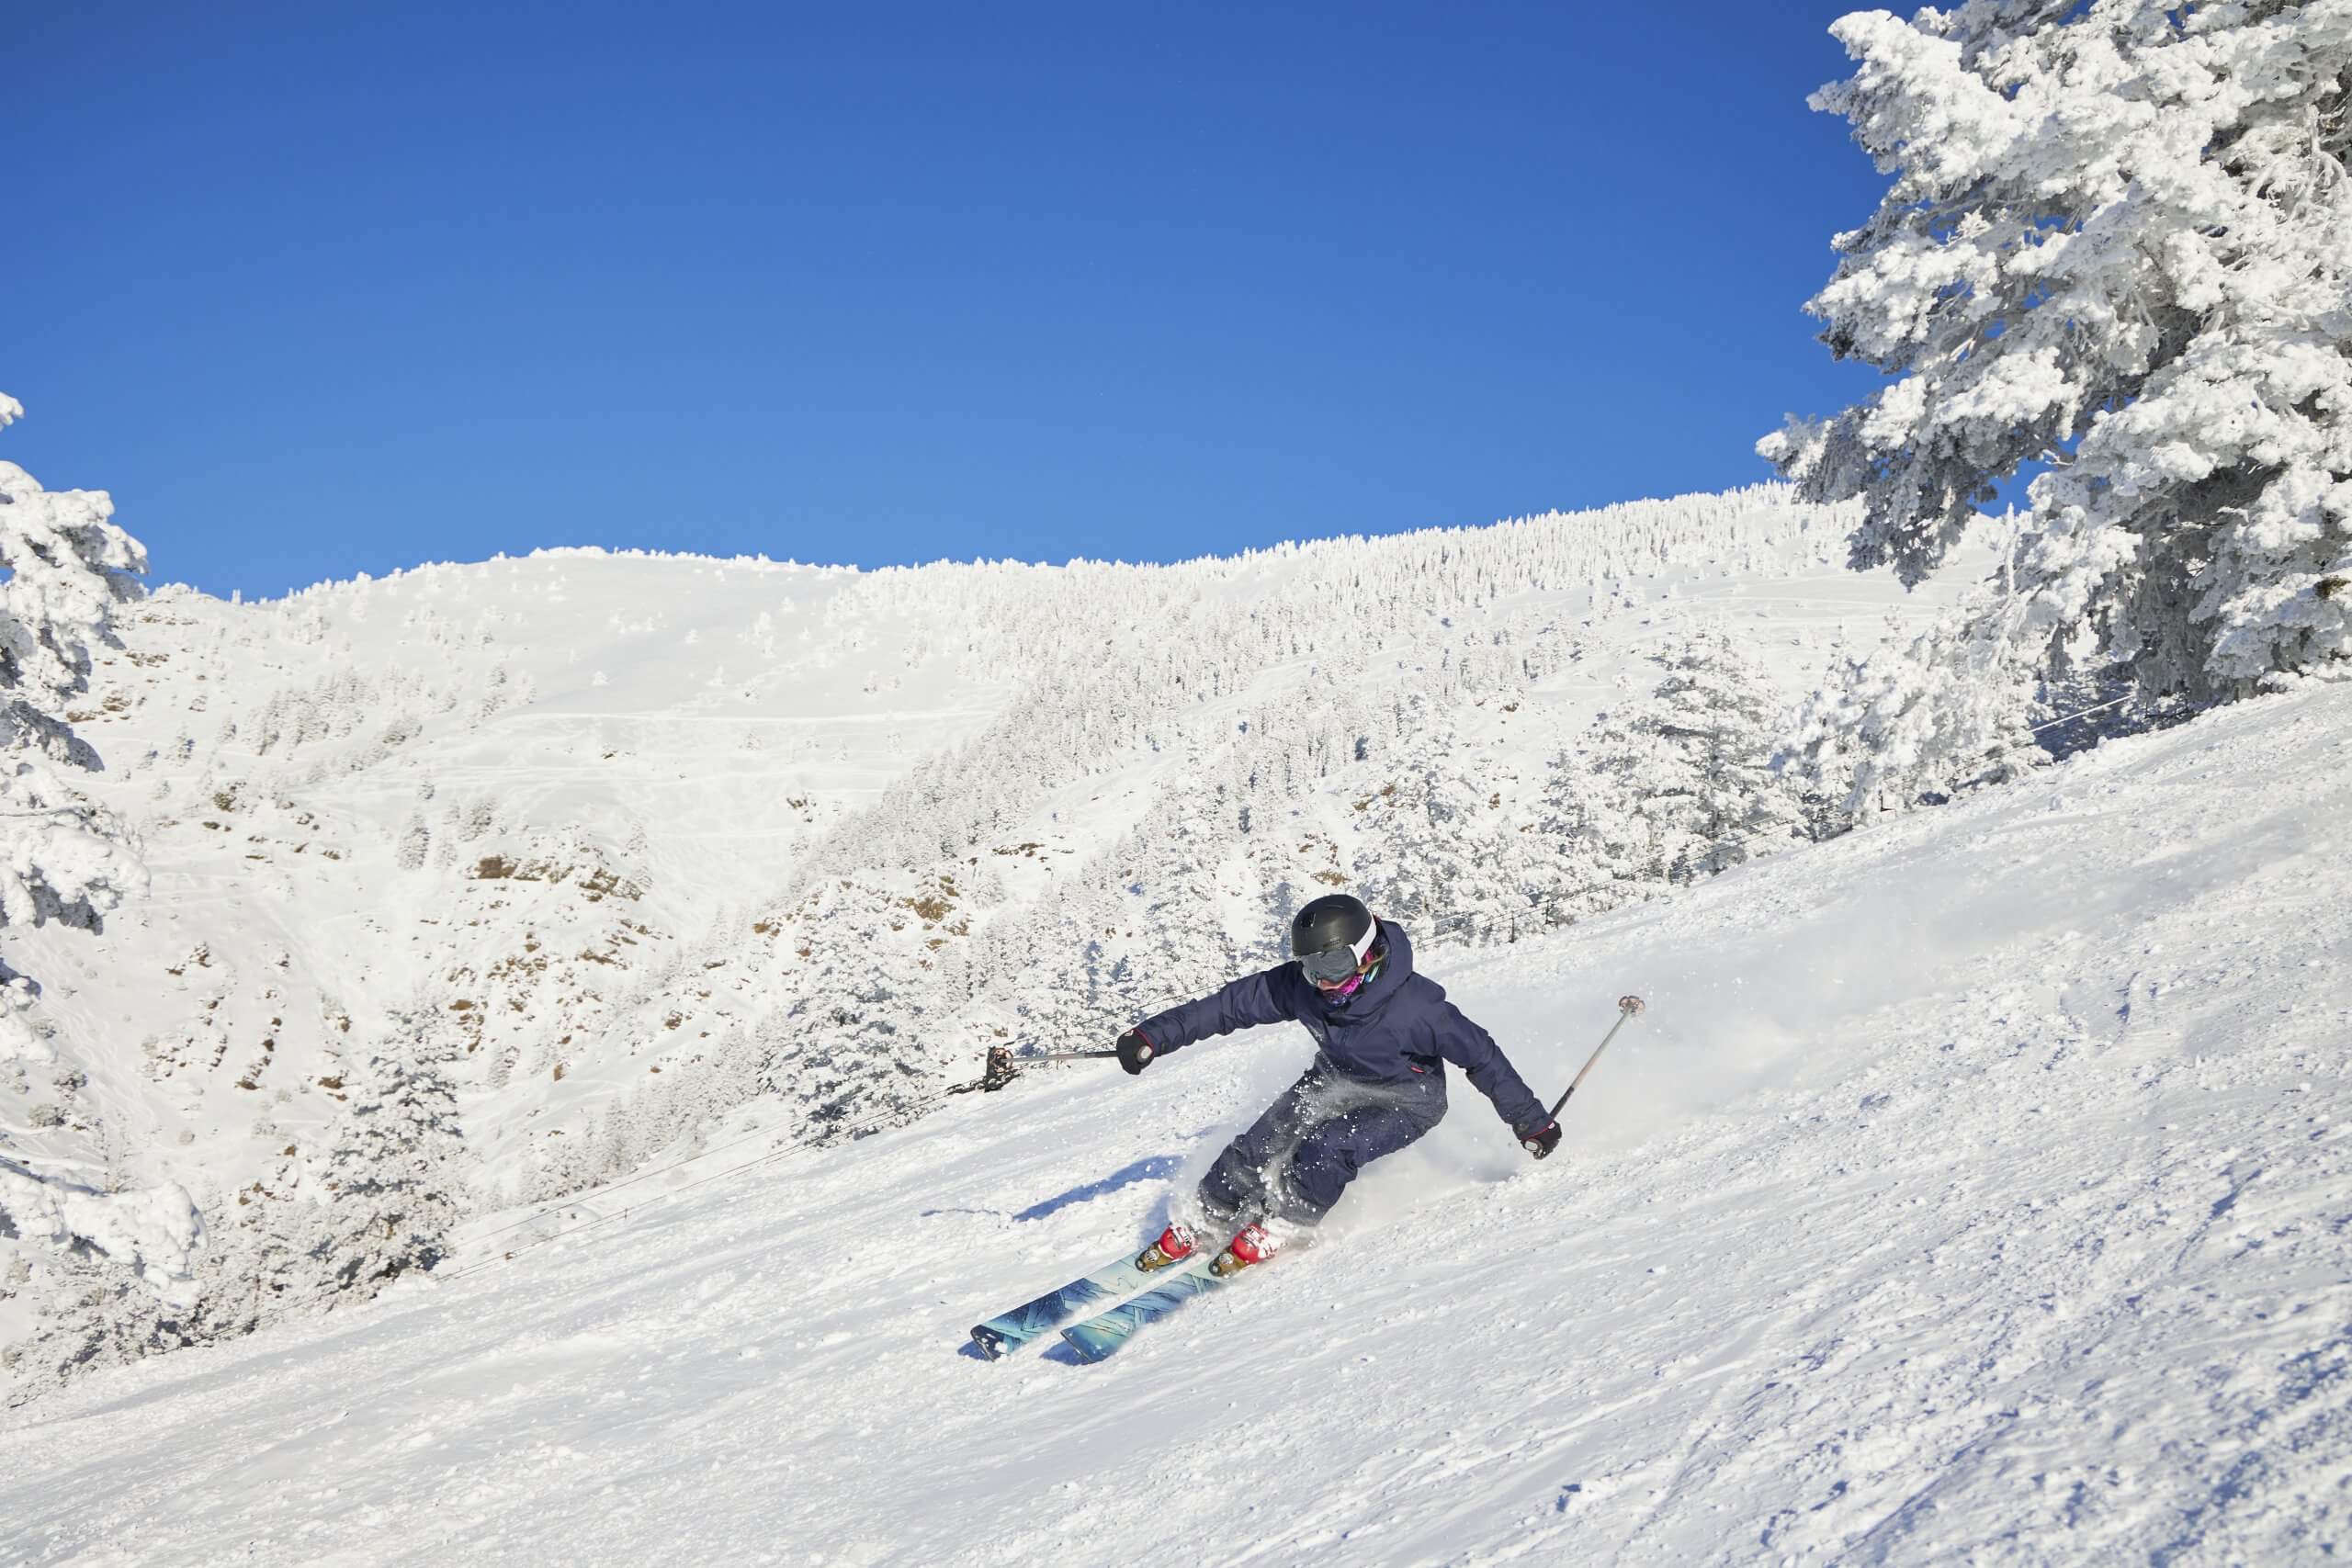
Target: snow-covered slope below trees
<point>1974,1190</point>
<point>592,851</point>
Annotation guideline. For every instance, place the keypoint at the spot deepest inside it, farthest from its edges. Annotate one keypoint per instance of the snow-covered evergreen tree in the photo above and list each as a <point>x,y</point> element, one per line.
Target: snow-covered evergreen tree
<point>1176,943</point>
<point>1704,742</point>
<point>66,568</point>
<point>416,842</point>
<point>1951,707</point>
<point>1676,786</point>
<point>1436,851</point>
<point>1589,849</point>
<point>856,992</point>
<point>396,1170</point>
<point>2118,240</point>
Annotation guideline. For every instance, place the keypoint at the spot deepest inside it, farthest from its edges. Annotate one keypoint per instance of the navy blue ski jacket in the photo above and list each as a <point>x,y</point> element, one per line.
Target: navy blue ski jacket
<point>1398,1028</point>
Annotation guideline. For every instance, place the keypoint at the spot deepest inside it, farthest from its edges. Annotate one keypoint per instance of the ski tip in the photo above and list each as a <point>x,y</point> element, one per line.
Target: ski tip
<point>1090,1347</point>
<point>989,1342</point>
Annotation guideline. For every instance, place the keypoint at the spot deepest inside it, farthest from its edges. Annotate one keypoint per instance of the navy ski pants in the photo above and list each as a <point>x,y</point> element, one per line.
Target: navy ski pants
<point>1295,1160</point>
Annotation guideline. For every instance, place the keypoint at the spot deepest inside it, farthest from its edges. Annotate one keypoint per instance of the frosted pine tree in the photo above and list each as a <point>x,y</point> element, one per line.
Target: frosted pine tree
<point>397,1170</point>
<point>1707,789</point>
<point>1180,945</point>
<point>2119,241</point>
<point>67,567</point>
<point>1048,992</point>
<point>90,1316</point>
<point>1401,860</point>
<point>414,843</point>
<point>1435,850</point>
<point>121,1274</point>
<point>1676,786</point>
<point>1951,707</point>
<point>265,1260</point>
<point>1589,847</point>
<point>861,999</point>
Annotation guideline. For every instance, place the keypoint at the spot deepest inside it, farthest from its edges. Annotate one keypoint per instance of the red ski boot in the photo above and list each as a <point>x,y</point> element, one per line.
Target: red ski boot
<point>1251,1245</point>
<point>1176,1243</point>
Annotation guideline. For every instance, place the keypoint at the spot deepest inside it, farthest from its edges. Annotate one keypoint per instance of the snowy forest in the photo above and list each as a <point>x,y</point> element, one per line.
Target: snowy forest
<point>335,922</point>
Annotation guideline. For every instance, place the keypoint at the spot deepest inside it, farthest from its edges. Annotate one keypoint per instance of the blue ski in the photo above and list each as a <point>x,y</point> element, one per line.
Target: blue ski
<point>1011,1330</point>
<point>1100,1337</point>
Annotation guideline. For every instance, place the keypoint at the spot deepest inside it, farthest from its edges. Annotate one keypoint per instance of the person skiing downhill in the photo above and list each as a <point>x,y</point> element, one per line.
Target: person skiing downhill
<point>1383,1034</point>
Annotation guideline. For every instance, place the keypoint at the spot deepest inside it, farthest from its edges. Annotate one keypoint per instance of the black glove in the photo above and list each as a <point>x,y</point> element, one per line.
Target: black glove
<point>1540,1139</point>
<point>1136,1053</point>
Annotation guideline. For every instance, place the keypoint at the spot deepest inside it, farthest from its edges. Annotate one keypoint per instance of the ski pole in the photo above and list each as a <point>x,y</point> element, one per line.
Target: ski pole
<point>1627,1007</point>
<point>1003,1066</point>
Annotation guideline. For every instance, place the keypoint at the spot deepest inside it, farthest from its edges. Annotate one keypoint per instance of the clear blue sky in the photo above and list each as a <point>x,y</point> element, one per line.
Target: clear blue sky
<point>320,290</point>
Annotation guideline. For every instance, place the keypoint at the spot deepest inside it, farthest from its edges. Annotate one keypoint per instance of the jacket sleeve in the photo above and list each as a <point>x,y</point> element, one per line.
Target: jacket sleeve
<point>1251,1001</point>
<point>1482,1061</point>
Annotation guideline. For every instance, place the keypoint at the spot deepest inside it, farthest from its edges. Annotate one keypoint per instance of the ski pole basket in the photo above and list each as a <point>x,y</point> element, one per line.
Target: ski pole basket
<point>998,1072</point>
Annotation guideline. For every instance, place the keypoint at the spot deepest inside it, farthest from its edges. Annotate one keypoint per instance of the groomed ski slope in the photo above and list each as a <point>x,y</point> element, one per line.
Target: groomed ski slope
<point>1975,1190</point>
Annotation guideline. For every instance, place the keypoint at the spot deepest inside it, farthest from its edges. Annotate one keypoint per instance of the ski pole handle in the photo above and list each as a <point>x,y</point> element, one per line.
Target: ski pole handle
<point>1627,1008</point>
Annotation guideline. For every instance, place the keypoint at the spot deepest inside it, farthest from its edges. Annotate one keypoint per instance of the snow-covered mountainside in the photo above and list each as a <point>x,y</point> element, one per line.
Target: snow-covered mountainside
<point>586,852</point>
<point>1975,1190</point>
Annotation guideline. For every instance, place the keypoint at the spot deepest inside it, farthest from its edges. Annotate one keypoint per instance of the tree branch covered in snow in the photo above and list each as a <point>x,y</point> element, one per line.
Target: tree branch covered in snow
<point>67,568</point>
<point>154,1233</point>
<point>2118,240</point>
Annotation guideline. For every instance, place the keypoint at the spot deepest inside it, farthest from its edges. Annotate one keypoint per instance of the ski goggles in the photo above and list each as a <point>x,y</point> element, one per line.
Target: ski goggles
<point>1335,965</point>
<point>1329,968</point>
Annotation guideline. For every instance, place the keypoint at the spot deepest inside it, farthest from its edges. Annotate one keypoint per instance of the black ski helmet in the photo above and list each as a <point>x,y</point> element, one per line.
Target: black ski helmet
<point>1332,936</point>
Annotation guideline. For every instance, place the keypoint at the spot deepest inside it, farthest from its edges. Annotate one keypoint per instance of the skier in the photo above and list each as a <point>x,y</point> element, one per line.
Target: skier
<point>1378,1082</point>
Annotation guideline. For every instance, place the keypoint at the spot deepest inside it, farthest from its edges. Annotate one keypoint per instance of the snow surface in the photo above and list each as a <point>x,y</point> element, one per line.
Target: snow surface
<point>1975,1190</point>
